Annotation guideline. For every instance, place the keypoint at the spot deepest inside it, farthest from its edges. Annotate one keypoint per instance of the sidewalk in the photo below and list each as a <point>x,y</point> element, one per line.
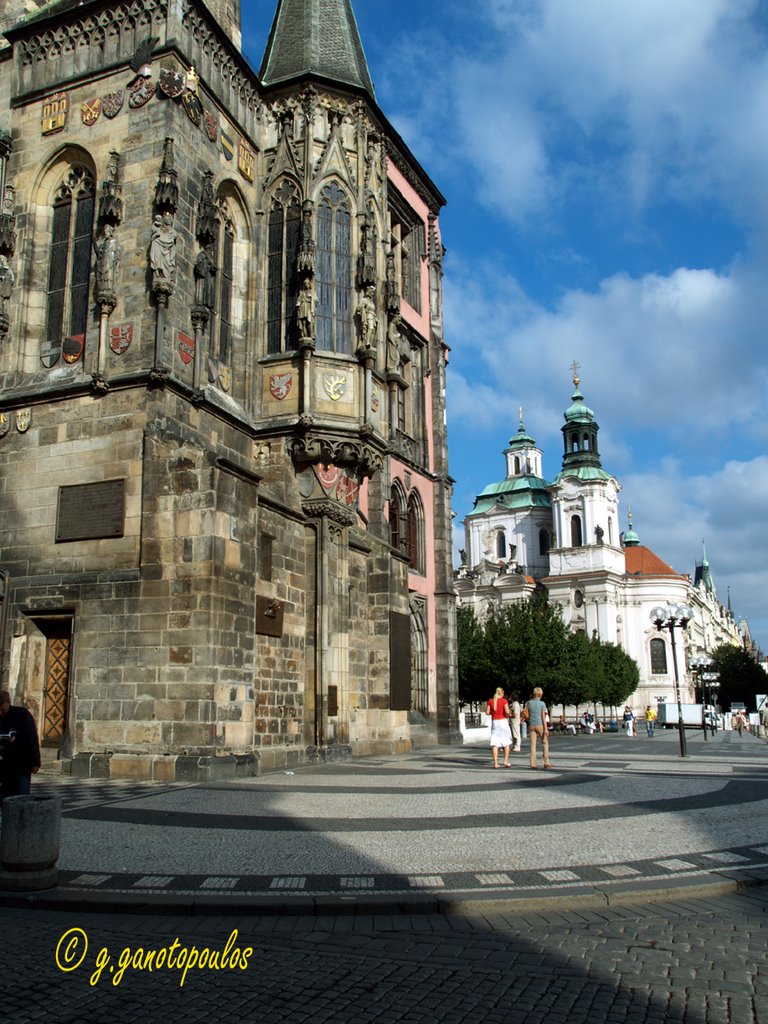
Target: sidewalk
<point>436,831</point>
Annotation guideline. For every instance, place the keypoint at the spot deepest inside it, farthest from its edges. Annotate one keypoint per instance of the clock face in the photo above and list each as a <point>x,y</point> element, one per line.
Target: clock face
<point>578,598</point>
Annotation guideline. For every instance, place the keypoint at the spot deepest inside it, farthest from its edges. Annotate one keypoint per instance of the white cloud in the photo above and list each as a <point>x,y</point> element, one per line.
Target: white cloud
<point>659,353</point>
<point>676,92</point>
<point>725,510</point>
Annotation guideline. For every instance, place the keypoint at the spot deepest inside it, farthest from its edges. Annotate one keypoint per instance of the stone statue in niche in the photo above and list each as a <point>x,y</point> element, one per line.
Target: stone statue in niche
<point>107,262</point>
<point>6,284</point>
<point>397,346</point>
<point>367,319</point>
<point>204,280</point>
<point>162,249</point>
<point>305,310</point>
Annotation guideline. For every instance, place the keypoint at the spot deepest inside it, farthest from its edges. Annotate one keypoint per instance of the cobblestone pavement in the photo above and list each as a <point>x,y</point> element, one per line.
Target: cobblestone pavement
<point>439,826</point>
<point>681,962</point>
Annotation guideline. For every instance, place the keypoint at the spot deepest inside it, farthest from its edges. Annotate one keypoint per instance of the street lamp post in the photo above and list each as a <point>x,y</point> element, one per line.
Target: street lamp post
<point>702,667</point>
<point>674,617</point>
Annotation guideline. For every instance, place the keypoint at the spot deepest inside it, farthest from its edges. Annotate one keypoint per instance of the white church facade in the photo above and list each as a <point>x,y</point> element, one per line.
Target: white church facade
<point>526,532</point>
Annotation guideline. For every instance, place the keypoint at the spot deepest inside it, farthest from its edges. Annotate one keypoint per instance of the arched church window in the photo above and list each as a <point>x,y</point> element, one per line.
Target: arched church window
<point>416,555</point>
<point>282,279</point>
<point>576,536</point>
<point>225,258</point>
<point>501,544</point>
<point>543,542</point>
<point>658,657</point>
<point>334,271</point>
<point>517,465</point>
<point>69,269</point>
<point>398,535</point>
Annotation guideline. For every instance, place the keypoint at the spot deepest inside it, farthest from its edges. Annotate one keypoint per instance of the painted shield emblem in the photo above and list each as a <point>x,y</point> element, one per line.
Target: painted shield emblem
<point>91,112</point>
<point>50,356</point>
<point>112,103</point>
<point>327,475</point>
<point>280,385</point>
<point>347,490</point>
<point>186,348</point>
<point>120,337</point>
<point>193,107</point>
<point>211,127</point>
<point>4,423</point>
<point>55,112</point>
<point>72,347</point>
<point>23,419</point>
<point>140,92</point>
<point>334,385</point>
<point>225,378</point>
<point>171,82</point>
<point>227,145</point>
<point>246,159</point>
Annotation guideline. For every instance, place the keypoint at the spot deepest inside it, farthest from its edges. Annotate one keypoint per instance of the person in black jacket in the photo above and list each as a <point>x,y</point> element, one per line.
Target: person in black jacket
<point>19,748</point>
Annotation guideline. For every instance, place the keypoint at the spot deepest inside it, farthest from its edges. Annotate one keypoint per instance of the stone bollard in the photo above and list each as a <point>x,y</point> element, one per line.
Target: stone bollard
<point>29,843</point>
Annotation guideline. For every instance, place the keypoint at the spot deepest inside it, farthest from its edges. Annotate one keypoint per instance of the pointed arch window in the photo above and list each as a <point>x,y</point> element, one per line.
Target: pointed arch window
<point>334,271</point>
<point>576,535</point>
<point>69,269</point>
<point>225,260</point>
<point>416,554</point>
<point>282,278</point>
<point>397,535</point>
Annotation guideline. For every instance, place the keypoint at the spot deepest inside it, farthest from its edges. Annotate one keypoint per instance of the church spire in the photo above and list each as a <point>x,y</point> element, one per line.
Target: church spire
<point>315,37</point>
<point>580,432</point>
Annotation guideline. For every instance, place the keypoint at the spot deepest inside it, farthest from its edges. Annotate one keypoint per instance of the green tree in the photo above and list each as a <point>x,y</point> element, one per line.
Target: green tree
<point>473,668</point>
<point>621,675</point>
<point>740,676</point>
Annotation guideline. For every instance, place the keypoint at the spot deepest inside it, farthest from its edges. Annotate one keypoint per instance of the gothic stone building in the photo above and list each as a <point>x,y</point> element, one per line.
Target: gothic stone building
<point>225,504</point>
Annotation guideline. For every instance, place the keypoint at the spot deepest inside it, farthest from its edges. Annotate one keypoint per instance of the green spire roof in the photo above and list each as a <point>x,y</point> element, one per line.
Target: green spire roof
<point>631,539</point>
<point>521,439</point>
<point>581,457</point>
<point>315,37</point>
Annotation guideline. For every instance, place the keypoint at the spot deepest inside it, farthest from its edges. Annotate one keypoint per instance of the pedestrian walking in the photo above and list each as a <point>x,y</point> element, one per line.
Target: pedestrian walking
<point>514,722</point>
<point>629,720</point>
<point>19,748</point>
<point>538,717</point>
<point>501,736</point>
<point>650,720</point>
<point>739,721</point>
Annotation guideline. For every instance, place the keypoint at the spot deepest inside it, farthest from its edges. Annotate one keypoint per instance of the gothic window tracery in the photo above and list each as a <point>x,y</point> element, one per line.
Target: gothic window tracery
<point>416,553</point>
<point>284,230</point>
<point>69,267</point>
<point>334,271</point>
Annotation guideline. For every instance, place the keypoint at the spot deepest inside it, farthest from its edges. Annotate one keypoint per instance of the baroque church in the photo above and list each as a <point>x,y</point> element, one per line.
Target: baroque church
<point>225,524</point>
<point>526,532</point>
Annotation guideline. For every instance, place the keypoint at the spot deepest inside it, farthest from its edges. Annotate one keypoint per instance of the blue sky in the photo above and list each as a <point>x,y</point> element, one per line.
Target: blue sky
<point>605,164</point>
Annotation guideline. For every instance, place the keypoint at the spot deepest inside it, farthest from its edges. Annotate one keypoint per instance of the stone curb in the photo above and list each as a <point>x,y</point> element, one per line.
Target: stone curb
<point>581,897</point>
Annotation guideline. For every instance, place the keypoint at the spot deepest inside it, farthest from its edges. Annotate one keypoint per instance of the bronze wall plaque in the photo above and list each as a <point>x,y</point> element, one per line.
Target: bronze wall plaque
<point>269,616</point>
<point>91,511</point>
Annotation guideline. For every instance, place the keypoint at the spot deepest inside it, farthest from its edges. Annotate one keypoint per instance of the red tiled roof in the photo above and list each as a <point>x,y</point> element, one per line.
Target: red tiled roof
<point>641,561</point>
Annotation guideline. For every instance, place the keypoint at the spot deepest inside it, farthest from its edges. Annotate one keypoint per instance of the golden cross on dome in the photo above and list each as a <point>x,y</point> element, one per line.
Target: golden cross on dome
<point>575,367</point>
